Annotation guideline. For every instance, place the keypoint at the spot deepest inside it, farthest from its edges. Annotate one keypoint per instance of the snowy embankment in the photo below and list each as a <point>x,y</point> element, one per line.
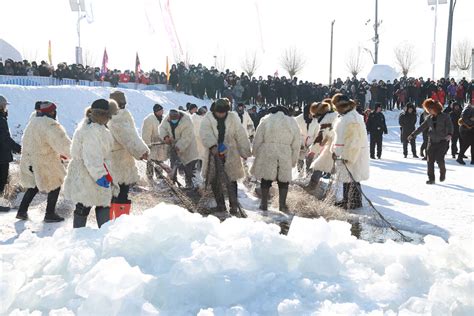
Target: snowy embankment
<point>171,262</point>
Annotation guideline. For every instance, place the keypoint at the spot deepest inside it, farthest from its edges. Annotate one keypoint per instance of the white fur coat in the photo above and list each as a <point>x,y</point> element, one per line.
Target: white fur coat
<point>307,133</point>
<point>351,144</point>
<point>91,149</point>
<point>235,139</point>
<point>151,135</point>
<point>197,120</point>
<point>128,146</point>
<point>185,141</point>
<point>276,147</point>
<point>44,140</point>
<point>324,161</point>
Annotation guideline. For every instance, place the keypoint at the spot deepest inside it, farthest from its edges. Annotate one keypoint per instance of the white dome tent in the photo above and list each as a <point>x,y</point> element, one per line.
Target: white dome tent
<point>7,51</point>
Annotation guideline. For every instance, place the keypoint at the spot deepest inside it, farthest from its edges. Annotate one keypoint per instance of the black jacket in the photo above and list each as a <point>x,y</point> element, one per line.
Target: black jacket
<point>7,144</point>
<point>407,123</point>
<point>455,116</point>
<point>376,124</point>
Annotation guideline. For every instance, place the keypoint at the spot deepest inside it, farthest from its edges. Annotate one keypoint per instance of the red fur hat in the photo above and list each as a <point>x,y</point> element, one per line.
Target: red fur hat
<point>430,104</point>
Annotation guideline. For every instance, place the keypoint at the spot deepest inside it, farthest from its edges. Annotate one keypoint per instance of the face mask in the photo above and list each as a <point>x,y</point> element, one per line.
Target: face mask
<point>174,121</point>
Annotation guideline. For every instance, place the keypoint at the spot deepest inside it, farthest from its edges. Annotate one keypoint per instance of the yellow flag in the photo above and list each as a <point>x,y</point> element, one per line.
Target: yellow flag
<point>167,70</point>
<point>50,56</point>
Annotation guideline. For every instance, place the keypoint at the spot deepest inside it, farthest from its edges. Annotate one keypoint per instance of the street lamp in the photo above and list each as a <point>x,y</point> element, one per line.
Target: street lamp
<point>79,6</point>
<point>330,54</point>
<point>434,4</point>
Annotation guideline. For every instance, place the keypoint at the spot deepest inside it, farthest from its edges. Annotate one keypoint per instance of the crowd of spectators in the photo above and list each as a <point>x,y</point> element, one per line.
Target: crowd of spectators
<point>202,82</point>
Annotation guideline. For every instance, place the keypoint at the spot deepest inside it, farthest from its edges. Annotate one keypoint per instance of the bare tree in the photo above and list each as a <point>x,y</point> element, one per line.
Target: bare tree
<point>405,57</point>
<point>250,64</point>
<point>355,62</point>
<point>292,61</point>
<point>90,58</point>
<point>462,55</point>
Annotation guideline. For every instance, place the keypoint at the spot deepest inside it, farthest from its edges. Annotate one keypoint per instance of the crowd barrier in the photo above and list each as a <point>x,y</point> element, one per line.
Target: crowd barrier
<point>50,81</point>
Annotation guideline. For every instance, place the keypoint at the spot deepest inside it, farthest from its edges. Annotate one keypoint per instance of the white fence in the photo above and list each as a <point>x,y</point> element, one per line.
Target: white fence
<point>50,81</point>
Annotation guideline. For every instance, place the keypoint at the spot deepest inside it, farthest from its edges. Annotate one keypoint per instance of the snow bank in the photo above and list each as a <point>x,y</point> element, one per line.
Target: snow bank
<point>171,262</point>
<point>73,100</point>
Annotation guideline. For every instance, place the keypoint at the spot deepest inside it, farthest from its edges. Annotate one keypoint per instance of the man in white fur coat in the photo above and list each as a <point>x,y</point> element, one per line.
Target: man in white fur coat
<point>197,118</point>
<point>45,145</point>
<point>246,120</point>
<point>177,130</point>
<point>224,136</point>
<point>128,146</point>
<point>350,146</point>
<point>88,182</point>
<point>151,136</point>
<point>324,113</point>
<point>309,129</point>
<point>276,148</point>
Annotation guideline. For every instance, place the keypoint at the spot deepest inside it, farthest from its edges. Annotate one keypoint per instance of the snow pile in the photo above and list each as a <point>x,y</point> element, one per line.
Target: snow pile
<point>73,100</point>
<point>171,262</point>
<point>382,72</point>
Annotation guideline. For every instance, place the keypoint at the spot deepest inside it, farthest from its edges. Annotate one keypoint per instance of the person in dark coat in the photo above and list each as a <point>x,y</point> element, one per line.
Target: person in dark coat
<point>7,147</point>
<point>440,131</point>
<point>407,121</point>
<point>466,133</point>
<point>376,127</point>
<point>455,115</point>
<point>423,117</point>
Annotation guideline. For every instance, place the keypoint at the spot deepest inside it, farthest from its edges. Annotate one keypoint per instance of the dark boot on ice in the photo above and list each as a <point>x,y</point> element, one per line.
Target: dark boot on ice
<point>80,216</point>
<point>265,196</point>
<point>51,216</point>
<point>102,214</point>
<point>283,193</point>
<point>25,203</point>
<point>4,209</point>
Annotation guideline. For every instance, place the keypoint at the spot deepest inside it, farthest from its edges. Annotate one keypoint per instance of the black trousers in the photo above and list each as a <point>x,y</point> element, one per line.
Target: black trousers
<point>122,197</point>
<point>218,192</point>
<point>30,195</point>
<point>268,183</point>
<point>466,140</point>
<point>81,212</point>
<point>4,168</point>
<point>454,144</point>
<point>412,145</point>
<point>435,153</point>
<point>376,140</point>
<point>424,144</point>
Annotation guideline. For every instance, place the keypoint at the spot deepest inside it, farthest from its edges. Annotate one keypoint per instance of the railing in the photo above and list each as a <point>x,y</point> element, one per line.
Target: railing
<point>50,81</point>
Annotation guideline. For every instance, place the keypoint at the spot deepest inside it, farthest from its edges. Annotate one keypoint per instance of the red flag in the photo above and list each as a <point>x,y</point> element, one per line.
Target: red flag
<point>105,62</point>
<point>137,68</point>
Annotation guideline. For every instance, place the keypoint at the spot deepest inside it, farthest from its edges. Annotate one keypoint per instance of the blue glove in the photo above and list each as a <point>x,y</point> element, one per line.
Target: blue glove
<point>221,148</point>
<point>103,182</point>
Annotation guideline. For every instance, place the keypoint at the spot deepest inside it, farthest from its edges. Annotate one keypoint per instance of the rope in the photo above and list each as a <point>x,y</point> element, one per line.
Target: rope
<point>393,228</point>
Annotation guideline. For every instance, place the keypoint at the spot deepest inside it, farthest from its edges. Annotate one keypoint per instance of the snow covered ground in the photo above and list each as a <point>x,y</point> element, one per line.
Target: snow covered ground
<point>167,261</point>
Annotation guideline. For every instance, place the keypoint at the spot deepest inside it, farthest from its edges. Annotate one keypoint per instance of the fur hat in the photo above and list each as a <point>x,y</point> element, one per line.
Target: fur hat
<point>342,103</point>
<point>320,108</point>
<point>38,105</point>
<point>430,104</point>
<point>119,97</point>
<point>47,107</point>
<point>99,112</point>
<point>222,105</point>
<point>157,107</point>
<point>113,107</point>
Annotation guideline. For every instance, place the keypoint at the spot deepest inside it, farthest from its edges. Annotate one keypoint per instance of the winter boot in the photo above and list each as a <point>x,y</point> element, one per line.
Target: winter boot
<point>283,193</point>
<point>4,209</point>
<point>51,216</point>
<point>102,214</point>
<point>119,209</point>
<point>25,203</point>
<point>415,155</point>
<point>460,161</point>
<point>265,196</point>
<point>314,182</point>
<point>430,182</point>
<point>80,216</point>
